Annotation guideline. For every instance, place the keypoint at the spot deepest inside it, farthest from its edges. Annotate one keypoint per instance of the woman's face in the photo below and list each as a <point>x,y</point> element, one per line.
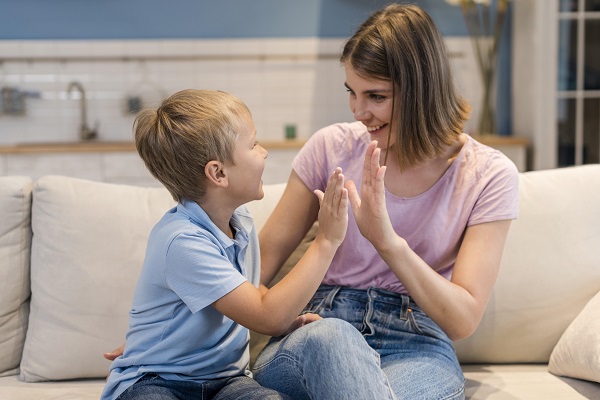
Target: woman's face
<point>371,104</point>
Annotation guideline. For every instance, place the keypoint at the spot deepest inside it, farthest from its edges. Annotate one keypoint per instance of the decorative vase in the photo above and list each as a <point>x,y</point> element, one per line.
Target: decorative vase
<point>484,20</point>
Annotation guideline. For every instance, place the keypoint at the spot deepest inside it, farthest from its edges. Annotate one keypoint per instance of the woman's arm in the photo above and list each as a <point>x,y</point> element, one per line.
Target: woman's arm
<point>273,312</point>
<point>287,225</point>
<point>457,305</point>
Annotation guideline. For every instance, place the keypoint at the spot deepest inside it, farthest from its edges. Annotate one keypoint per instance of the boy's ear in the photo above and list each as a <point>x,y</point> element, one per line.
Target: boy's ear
<point>215,172</point>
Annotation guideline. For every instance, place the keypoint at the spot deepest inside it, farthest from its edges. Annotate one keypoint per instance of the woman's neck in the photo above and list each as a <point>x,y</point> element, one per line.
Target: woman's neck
<point>416,180</point>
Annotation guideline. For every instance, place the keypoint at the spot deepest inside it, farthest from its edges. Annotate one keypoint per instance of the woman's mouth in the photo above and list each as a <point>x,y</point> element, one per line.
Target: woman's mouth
<point>374,130</point>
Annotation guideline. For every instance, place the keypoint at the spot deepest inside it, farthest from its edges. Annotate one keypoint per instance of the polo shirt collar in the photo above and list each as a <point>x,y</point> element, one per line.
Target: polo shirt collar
<point>241,223</point>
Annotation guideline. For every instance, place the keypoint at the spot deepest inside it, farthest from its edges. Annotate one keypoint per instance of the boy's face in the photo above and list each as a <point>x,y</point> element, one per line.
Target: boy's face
<point>245,177</point>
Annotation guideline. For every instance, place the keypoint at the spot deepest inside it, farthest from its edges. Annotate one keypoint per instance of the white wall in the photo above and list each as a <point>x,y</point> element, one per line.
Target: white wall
<point>283,81</point>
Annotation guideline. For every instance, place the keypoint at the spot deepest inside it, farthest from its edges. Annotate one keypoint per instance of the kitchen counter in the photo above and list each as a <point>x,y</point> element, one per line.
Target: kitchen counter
<point>109,147</point>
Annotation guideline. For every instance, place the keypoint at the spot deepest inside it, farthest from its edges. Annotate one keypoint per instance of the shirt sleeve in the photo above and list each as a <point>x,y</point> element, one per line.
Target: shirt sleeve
<point>199,272</point>
<point>311,162</point>
<point>499,196</point>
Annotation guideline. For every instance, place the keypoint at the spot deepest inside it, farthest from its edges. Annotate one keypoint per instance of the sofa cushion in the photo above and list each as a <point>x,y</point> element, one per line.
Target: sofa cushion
<point>89,240</point>
<point>88,247</point>
<point>549,269</point>
<point>577,353</point>
<point>15,241</point>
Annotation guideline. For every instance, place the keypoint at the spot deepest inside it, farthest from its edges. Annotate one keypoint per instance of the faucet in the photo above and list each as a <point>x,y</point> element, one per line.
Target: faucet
<point>85,132</point>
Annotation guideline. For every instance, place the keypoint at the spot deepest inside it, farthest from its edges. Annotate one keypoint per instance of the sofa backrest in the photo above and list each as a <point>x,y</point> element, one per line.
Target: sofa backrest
<point>550,268</point>
<point>89,242</point>
<point>15,243</point>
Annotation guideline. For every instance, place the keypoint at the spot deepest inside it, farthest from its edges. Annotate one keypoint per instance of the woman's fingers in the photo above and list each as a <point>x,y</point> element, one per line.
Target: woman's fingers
<point>367,169</point>
<point>353,196</point>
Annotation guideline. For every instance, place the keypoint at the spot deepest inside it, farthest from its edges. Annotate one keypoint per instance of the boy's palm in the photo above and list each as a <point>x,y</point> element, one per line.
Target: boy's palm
<point>333,211</point>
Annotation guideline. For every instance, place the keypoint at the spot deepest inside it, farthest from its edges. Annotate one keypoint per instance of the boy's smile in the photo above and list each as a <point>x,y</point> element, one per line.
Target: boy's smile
<point>245,177</point>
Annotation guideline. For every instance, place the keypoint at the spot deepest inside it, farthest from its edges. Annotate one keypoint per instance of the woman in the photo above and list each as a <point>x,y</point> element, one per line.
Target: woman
<point>425,234</point>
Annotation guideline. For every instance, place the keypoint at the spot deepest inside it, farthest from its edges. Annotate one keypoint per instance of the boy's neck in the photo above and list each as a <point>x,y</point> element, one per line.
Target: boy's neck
<point>219,212</point>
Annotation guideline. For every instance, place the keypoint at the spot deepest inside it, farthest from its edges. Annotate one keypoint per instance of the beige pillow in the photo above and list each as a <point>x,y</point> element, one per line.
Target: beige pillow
<point>89,241</point>
<point>15,242</point>
<point>577,353</point>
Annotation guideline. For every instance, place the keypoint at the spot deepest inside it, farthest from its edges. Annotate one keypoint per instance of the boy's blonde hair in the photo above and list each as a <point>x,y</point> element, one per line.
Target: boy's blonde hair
<point>188,130</point>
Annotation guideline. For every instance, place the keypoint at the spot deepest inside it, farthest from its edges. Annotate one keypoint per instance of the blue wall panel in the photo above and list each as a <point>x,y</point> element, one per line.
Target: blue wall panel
<point>177,19</point>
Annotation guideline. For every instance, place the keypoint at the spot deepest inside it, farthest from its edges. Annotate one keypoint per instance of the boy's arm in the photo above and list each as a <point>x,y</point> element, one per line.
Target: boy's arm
<point>272,312</point>
<point>289,222</point>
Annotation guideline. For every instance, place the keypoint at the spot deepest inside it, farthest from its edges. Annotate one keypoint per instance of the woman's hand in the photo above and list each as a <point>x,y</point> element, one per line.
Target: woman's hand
<point>369,207</point>
<point>333,212</point>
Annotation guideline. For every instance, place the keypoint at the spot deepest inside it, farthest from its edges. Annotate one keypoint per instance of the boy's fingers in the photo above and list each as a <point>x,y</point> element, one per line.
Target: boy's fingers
<point>344,199</point>
<point>320,196</point>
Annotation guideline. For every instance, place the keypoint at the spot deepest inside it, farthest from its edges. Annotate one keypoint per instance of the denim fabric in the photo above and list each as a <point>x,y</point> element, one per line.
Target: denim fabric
<point>153,387</point>
<point>334,359</point>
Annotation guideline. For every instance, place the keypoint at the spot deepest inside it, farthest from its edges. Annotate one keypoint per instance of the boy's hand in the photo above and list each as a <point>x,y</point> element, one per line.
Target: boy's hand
<point>333,212</point>
<point>115,353</point>
<point>369,208</point>
<point>302,320</point>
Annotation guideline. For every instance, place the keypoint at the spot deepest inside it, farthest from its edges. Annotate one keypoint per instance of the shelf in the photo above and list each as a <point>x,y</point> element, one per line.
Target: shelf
<point>496,140</point>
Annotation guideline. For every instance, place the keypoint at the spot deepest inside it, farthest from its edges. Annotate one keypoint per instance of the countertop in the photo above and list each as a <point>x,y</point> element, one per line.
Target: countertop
<point>105,146</point>
<point>99,146</point>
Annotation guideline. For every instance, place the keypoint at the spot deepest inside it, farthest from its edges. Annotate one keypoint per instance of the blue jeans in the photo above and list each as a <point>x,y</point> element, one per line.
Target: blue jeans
<point>338,357</point>
<point>153,387</point>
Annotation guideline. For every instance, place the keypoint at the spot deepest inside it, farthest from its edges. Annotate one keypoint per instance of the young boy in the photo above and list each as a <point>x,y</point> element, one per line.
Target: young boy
<point>198,292</point>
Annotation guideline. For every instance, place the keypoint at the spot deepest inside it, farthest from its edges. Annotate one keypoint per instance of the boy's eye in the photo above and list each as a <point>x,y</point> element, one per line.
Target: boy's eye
<point>349,91</point>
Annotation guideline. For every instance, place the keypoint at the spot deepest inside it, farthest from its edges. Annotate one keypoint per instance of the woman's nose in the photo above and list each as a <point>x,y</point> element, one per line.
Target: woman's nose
<point>361,114</point>
<point>360,111</point>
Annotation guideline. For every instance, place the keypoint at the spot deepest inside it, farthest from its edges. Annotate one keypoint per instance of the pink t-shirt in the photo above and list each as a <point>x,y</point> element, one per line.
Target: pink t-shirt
<point>480,186</point>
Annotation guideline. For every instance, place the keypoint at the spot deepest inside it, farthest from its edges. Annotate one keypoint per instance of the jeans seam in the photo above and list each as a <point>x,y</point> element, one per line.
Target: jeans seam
<point>456,393</point>
<point>275,358</point>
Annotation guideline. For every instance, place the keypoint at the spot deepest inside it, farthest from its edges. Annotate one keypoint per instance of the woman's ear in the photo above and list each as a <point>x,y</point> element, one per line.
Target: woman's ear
<point>215,172</point>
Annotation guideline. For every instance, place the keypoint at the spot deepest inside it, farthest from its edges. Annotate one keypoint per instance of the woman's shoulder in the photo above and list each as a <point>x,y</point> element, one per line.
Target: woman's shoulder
<point>342,131</point>
<point>488,161</point>
<point>342,137</point>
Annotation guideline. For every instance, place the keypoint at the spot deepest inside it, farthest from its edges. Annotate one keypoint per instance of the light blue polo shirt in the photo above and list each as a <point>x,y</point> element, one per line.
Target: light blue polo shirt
<point>173,329</point>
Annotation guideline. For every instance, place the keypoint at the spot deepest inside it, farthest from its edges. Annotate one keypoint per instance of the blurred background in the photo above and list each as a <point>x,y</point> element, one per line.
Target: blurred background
<point>73,75</point>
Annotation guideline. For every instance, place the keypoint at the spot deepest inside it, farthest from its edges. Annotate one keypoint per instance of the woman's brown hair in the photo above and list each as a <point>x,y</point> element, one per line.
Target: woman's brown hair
<point>401,44</point>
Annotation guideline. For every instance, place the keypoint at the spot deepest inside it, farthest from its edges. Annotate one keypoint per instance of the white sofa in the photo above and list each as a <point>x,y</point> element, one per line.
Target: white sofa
<point>70,252</point>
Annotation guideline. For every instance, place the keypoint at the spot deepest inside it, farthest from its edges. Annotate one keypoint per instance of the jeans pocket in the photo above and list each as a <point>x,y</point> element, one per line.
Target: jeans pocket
<point>315,306</point>
<point>426,326</point>
<point>413,323</point>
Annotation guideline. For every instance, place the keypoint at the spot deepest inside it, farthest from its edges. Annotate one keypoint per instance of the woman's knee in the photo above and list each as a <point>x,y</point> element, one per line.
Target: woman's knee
<point>326,333</point>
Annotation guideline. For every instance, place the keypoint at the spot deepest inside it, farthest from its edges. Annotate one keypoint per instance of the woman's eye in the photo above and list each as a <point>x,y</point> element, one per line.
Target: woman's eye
<point>377,97</point>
